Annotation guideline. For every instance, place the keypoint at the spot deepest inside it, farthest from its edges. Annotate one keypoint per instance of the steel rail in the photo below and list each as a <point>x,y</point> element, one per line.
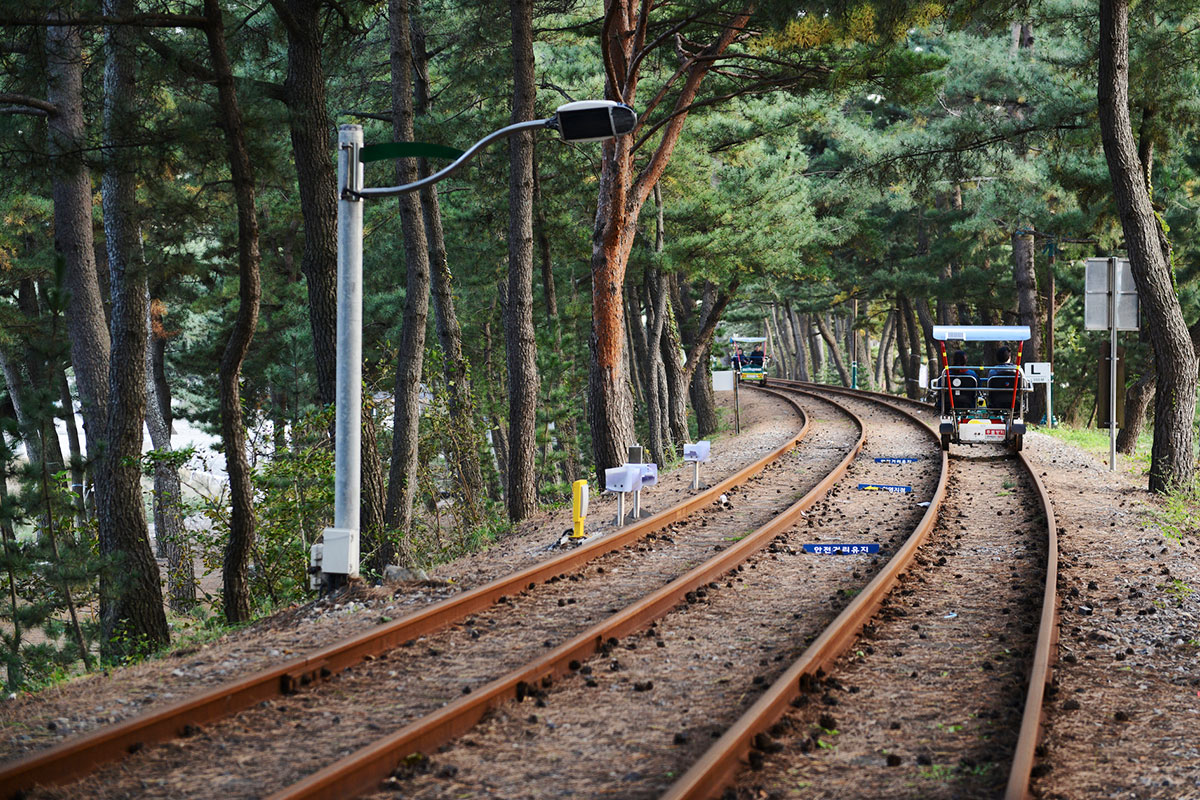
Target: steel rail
<point>863,393</point>
<point>364,770</point>
<point>1045,654</point>
<point>74,758</point>
<point>719,765</point>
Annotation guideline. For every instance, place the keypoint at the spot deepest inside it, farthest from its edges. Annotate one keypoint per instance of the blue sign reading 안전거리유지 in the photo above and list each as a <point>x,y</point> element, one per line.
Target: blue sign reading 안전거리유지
<point>883,487</point>
<point>897,460</point>
<point>841,549</point>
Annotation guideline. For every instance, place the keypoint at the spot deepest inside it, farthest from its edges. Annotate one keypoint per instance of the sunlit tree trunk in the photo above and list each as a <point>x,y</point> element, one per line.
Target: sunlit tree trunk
<point>1173,458</point>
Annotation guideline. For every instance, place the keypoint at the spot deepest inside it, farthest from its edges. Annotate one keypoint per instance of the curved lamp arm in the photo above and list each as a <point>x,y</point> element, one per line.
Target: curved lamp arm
<point>447,171</point>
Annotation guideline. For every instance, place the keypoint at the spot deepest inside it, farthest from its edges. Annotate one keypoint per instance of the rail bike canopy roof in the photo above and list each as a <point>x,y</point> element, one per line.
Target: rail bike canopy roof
<point>747,339</point>
<point>981,333</point>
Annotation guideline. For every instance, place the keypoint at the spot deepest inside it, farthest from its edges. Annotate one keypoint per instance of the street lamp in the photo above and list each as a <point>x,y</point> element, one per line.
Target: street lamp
<point>581,121</point>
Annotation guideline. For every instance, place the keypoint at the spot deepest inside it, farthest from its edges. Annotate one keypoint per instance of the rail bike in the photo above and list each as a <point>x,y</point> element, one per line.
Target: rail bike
<point>748,366</point>
<point>981,404</point>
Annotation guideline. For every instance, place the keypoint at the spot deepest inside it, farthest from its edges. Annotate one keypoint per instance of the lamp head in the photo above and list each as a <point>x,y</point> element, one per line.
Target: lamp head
<point>593,120</point>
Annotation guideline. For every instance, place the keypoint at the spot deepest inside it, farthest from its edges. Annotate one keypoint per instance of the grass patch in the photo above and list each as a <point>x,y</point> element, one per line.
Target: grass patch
<point>1096,441</point>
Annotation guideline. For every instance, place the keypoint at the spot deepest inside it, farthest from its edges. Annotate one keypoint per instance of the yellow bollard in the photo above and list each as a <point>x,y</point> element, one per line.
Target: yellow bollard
<point>579,503</point>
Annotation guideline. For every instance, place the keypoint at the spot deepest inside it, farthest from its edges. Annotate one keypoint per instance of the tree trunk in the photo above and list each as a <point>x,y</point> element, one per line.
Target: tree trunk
<point>635,333</point>
<point>909,347</point>
<point>1137,402</point>
<point>316,178</point>
<point>700,380</point>
<point>241,532</point>
<point>169,531</point>
<point>1025,279</point>
<point>656,297</point>
<point>925,332</point>
<point>621,198</point>
<point>779,344</point>
<point>1172,460</point>
<point>676,377</point>
<point>402,479</point>
<point>798,333</point>
<point>835,350</point>
<point>814,345</point>
<point>71,187</point>
<point>132,616</point>
<point>864,367</point>
<point>465,443</point>
<point>77,460</point>
<point>521,345</point>
<point>885,343</point>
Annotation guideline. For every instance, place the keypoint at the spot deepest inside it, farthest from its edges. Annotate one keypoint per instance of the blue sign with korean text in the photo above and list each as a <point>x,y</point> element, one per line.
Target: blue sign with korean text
<point>897,460</point>
<point>883,487</point>
<point>841,549</point>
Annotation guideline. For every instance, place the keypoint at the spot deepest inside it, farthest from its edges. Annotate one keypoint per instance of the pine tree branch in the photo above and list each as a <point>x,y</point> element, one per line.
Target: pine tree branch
<point>25,104</point>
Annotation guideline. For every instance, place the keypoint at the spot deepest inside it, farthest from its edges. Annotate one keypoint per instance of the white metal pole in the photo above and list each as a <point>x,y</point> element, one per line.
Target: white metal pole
<point>347,425</point>
<point>620,509</point>
<point>695,474</point>
<point>1112,364</point>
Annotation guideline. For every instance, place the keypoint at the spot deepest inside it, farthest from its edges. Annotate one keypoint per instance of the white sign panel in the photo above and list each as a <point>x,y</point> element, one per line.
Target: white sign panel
<point>1095,307</point>
<point>722,380</point>
<point>1037,371</point>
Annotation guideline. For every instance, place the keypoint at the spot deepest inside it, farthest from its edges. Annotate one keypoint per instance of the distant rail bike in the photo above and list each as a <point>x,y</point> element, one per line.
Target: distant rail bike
<point>750,366</point>
<point>981,404</point>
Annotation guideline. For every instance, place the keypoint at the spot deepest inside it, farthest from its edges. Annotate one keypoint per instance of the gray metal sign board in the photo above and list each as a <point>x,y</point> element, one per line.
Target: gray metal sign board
<point>1095,307</point>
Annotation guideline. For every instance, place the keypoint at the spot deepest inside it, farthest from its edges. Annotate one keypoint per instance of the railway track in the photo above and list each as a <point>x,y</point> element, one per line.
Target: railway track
<point>648,541</point>
<point>691,615</point>
<point>931,720</point>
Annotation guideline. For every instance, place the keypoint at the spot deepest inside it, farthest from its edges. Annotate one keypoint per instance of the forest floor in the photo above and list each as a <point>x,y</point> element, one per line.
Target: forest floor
<point>1121,717</point>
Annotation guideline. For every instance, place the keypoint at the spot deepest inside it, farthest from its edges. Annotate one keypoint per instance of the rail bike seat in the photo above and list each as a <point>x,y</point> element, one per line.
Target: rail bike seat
<point>962,389</point>
<point>1000,391</point>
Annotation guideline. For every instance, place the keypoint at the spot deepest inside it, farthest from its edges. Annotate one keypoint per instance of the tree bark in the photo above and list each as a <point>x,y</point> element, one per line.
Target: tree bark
<point>465,442</point>
<point>885,342</point>
<point>168,494</point>
<point>925,332</point>
<point>311,132</point>
<point>621,198</point>
<point>132,617</point>
<point>656,297</point>
<point>521,345</point>
<point>1025,279</point>
<point>909,347</point>
<point>76,451</point>
<point>71,188</point>
<point>835,350</point>
<point>798,340</point>
<point>1137,402</point>
<point>700,377</point>
<point>676,377</point>
<point>1172,460</point>
<point>238,549</point>
<point>402,479</point>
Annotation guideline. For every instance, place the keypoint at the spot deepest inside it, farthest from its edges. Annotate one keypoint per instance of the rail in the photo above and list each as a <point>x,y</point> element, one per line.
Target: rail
<point>74,758</point>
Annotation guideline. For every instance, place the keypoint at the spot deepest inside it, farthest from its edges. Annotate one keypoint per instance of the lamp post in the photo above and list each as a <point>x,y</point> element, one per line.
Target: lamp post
<point>582,121</point>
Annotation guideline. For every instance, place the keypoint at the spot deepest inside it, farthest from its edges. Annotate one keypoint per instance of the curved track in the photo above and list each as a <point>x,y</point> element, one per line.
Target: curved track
<point>648,550</point>
<point>717,768</point>
<point>77,757</point>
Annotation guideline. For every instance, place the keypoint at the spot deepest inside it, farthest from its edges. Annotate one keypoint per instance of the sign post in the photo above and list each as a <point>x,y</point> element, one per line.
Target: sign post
<point>1042,372</point>
<point>1110,303</point>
